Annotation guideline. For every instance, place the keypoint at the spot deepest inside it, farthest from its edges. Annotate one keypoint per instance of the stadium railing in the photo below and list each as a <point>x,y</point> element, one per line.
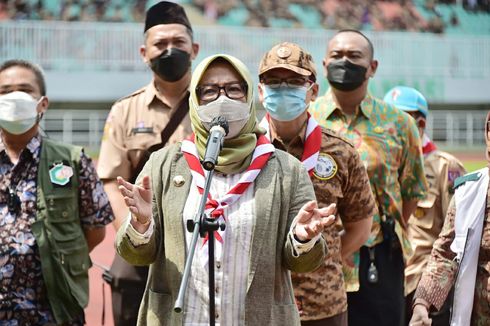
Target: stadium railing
<point>454,128</point>
<point>89,46</point>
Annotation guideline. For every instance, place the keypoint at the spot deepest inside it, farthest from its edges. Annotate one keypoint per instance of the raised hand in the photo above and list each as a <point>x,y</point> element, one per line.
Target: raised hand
<point>311,220</point>
<point>137,198</point>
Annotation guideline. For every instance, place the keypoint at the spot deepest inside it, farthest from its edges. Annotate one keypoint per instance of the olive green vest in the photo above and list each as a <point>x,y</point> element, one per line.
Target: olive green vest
<point>62,246</point>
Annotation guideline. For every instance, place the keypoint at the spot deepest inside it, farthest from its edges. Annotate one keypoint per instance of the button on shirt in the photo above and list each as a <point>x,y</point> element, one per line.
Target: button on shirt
<point>321,294</point>
<point>133,125</point>
<point>23,296</point>
<point>231,277</point>
<point>388,143</point>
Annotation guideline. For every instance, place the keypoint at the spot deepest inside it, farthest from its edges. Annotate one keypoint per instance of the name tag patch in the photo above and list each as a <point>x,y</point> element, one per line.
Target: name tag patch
<point>142,130</point>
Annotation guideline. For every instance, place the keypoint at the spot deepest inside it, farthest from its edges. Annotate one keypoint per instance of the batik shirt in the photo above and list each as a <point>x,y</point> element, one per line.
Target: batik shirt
<point>440,273</point>
<point>389,145</point>
<point>23,297</point>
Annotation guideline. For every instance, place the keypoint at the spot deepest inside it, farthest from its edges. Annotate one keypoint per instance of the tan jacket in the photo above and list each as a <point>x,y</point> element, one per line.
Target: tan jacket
<point>281,188</point>
<point>424,226</point>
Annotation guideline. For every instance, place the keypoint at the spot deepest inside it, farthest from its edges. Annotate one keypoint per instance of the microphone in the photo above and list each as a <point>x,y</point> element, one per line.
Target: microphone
<point>217,132</point>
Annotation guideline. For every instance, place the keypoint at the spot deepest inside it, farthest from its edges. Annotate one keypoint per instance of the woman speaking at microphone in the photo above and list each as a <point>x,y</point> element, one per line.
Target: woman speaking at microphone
<point>263,196</point>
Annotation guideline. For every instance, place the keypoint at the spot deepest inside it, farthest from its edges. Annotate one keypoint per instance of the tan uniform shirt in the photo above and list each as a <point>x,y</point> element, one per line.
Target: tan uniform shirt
<point>321,294</point>
<point>135,123</point>
<point>424,226</point>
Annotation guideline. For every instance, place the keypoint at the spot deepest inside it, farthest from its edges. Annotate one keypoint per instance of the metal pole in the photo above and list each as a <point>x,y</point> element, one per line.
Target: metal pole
<point>200,226</point>
<point>212,309</point>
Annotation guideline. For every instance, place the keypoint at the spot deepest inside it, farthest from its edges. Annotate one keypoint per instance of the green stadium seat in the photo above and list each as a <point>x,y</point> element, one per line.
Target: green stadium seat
<point>308,16</point>
<point>234,17</point>
<point>280,23</point>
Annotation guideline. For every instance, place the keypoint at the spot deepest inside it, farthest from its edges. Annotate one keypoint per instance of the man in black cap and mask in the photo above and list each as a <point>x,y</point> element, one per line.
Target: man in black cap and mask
<point>388,142</point>
<point>144,121</point>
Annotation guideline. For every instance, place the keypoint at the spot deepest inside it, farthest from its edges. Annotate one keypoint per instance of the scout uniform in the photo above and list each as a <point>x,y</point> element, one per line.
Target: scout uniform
<point>441,169</point>
<point>137,125</point>
<point>339,177</point>
<point>133,125</point>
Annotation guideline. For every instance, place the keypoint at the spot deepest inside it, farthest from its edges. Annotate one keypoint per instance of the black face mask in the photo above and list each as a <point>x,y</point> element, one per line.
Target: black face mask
<point>171,65</point>
<point>345,75</point>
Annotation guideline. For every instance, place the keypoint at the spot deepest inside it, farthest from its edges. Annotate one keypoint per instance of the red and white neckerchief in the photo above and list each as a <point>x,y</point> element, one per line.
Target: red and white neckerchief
<point>215,207</point>
<point>427,145</point>
<point>313,141</point>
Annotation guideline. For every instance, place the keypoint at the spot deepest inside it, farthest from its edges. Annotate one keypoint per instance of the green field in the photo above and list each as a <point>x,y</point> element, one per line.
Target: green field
<point>474,165</point>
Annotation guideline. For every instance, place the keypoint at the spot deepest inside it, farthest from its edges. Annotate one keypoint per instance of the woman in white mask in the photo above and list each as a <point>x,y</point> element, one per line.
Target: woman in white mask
<point>263,196</point>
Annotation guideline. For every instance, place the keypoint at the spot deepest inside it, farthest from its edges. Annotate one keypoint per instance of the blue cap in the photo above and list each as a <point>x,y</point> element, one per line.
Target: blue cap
<point>407,99</point>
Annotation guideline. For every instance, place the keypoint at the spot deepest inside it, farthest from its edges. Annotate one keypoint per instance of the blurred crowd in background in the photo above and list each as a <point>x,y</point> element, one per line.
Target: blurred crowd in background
<point>435,16</point>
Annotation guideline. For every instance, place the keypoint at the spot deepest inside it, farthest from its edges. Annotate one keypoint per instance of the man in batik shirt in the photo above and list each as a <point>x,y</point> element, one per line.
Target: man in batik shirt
<point>389,145</point>
<point>53,210</point>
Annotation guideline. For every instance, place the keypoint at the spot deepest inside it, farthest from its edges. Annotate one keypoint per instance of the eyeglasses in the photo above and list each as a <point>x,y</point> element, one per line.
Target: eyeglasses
<point>209,93</point>
<point>13,202</point>
<point>293,82</point>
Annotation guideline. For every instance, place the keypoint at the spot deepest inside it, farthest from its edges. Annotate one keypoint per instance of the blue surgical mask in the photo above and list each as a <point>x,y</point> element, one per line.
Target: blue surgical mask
<point>284,103</point>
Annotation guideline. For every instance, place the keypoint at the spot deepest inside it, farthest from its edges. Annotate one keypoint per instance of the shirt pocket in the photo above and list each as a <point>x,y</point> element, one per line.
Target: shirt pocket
<point>385,146</point>
<point>63,223</point>
<point>374,152</point>
<point>425,212</point>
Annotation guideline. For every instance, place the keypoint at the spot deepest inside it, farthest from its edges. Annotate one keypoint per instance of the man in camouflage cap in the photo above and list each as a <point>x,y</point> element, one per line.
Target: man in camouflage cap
<point>287,85</point>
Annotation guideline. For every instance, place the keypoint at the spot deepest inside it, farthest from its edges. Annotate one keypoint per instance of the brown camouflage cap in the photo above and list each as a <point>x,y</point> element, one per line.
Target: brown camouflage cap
<point>288,56</point>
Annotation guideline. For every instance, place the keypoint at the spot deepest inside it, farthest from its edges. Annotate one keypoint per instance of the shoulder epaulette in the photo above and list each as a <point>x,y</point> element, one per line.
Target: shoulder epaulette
<point>139,91</point>
<point>332,133</point>
<point>469,177</point>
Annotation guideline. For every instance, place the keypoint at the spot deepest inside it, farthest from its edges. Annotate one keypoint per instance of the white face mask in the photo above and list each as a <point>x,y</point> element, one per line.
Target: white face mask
<point>18,112</point>
<point>235,112</point>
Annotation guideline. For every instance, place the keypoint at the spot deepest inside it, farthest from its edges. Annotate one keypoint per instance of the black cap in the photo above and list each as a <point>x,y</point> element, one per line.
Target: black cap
<point>166,12</point>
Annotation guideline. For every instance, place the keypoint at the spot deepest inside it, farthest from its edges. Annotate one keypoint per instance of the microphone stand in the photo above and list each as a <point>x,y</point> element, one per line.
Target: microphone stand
<point>201,225</point>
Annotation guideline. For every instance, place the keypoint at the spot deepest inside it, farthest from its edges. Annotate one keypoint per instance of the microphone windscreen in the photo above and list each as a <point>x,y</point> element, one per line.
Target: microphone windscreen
<point>222,122</point>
